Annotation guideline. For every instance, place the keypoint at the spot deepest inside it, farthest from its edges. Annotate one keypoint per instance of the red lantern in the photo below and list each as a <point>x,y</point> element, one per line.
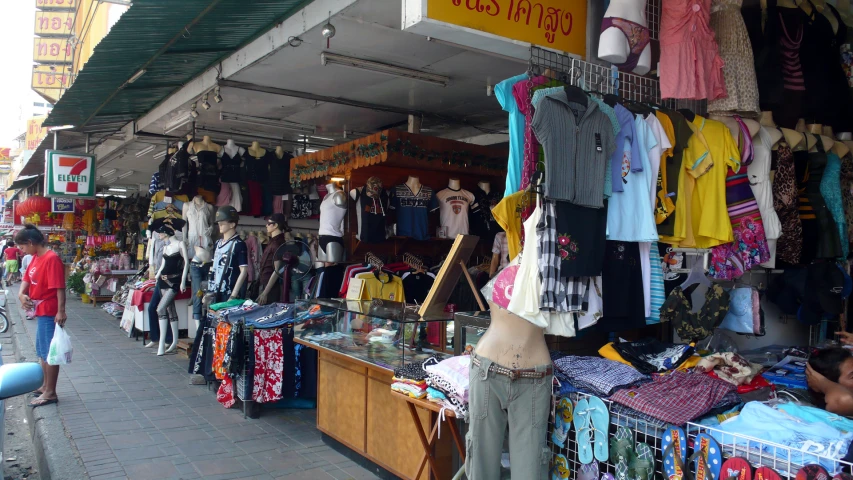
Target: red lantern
<point>35,204</point>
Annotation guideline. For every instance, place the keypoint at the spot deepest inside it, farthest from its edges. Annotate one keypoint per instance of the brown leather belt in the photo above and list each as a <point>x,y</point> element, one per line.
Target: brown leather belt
<point>516,374</point>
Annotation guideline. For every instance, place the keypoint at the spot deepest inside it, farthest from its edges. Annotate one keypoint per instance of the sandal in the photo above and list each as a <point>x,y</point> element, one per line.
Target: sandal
<point>600,423</point>
<point>643,466</point>
<point>707,457</point>
<point>812,472</point>
<point>674,444</point>
<point>563,422</point>
<point>560,468</point>
<point>583,431</point>
<point>736,468</point>
<point>622,452</point>
<point>588,472</point>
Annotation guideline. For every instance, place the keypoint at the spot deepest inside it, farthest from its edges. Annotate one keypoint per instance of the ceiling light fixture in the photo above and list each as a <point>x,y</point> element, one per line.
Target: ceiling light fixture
<point>145,150</point>
<point>126,174</point>
<point>160,154</point>
<point>107,173</point>
<point>117,189</point>
<point>204,103</point>
<point>216,96</point>
<point>112,180</point>
<point>136,76</point>
<point>178,123</point>
<point>194,110</point>
<point>266,122</point>
<point>327,59</point>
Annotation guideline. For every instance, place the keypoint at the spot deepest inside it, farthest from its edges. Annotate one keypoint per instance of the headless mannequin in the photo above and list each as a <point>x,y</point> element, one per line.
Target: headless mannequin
<point>414,184</point>
<point>256,151</point>
<point>808,141</point>
<point>287,205</point>
<point>513,341</point>
<point>775,132</point>
<point>453,184</point>
<point>734,127</point>
<point>231,148</point>
<point>485,186</point>
<point>613,45</point>
<point>173,246</point>
<point>206,211</point>
<point>205,145</point>
<point>334,251</point>
<point>817,130</point>
<point>228,230</point>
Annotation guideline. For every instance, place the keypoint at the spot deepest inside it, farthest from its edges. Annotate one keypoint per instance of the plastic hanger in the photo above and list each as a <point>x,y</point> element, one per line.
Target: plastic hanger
<point>696,275</point>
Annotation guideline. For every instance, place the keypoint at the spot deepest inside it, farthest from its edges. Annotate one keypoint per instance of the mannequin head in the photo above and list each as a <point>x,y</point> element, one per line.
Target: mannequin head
<point>227,219</point>
<point>276,224</point>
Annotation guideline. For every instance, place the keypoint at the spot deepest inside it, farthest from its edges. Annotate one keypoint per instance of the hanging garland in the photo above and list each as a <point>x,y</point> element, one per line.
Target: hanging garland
<point>404,148</point>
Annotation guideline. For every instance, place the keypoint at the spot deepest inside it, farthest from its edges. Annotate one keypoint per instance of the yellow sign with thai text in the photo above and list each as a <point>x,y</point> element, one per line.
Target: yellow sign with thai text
<point>555,24</point>
<point>54,23</point>
<point>56,4</point>
<point>35,132</point>
<point>50,81</point>
<point>53,50</point>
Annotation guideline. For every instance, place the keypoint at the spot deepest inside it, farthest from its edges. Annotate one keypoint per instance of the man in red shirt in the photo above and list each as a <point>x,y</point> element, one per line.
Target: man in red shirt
<point>43,288</point>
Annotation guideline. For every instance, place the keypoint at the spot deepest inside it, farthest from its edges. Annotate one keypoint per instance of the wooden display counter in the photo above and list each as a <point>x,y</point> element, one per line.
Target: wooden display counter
<point>355,406</point>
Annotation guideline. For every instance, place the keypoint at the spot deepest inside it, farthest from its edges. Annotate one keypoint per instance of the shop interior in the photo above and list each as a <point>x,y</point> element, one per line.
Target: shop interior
<point>384,208</point>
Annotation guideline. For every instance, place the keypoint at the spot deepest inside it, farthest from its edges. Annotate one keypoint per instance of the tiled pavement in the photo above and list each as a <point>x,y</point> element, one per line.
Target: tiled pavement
<point>131,414</point>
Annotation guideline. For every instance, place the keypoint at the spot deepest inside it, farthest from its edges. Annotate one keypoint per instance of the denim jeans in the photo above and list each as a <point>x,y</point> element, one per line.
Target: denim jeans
<point>198,274</point>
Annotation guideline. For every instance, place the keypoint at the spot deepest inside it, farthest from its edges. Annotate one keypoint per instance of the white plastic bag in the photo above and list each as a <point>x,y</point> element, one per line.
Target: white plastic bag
<point>60,348</point>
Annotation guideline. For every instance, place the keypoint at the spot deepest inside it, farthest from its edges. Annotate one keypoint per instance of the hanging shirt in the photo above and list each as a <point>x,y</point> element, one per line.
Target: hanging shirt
<point>682,133</point>
<point>508,215</point>
<point>46,275</point>
<point>417,286</point>
<point>500,247</point>
<point>480,220</point>
<point>228,257</point>
<point>453,207</point>
<point>629,214</point>
<point>413,210</point>
<point>503,93</point>
<point>383,286</point>
<point>370,211</point>
<point>620,164</point>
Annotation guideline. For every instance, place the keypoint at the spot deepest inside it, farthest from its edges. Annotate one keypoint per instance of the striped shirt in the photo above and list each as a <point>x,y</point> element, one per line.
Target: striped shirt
<point>578,140</point>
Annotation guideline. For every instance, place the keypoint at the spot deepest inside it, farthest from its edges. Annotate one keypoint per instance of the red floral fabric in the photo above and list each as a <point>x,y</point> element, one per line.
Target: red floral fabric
<point>223,331</point>
<point>269,365</point>
<point>225,394</point>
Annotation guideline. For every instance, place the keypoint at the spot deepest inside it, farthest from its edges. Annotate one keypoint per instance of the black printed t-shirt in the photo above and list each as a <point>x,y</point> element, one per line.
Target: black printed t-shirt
<point>371,215</point>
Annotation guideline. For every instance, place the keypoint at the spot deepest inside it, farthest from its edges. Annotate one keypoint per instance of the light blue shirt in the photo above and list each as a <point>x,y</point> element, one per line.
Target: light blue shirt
<point>630,215</point>
<point>503,92</point>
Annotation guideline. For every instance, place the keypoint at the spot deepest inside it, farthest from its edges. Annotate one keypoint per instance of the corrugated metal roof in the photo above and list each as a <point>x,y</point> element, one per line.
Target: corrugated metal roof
<point>174,41</point>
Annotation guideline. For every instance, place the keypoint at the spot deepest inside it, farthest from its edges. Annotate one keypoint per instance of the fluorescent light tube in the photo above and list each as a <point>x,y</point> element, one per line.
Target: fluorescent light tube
<point>136,76</point>
<point>178,123</point>
<point>327,58</point>
<point>117,189</point>
<point>112,180</point>
<point>265,122</point>
<point>148,149</point>
<point>161,154</point>
<point>126,174</point>
<point>107,173</point>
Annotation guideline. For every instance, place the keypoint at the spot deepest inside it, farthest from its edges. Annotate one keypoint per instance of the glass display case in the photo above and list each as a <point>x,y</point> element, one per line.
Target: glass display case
<point>380,332</point>
<point>468,328</point>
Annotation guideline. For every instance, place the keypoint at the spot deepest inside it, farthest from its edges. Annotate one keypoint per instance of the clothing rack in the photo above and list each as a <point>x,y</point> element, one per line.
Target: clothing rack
<point>373,260</point>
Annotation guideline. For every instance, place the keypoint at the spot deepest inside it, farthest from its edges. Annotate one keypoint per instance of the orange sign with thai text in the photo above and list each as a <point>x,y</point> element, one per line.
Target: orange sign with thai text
<point>555,24</point>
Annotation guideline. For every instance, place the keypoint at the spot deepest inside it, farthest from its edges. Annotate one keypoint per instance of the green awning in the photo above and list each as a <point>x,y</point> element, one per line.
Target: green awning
<point>23,182</point>
<point>173,41</point>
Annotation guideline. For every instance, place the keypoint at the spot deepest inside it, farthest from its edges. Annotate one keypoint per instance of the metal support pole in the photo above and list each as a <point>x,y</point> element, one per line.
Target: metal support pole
<point>55,140</point>
<point>87,143</point>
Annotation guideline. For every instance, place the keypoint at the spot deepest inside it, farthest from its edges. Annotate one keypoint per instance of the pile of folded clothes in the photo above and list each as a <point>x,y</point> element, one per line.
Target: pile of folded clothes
<point>595,376</point>
<point>410,379</point>
<point>449,379</point>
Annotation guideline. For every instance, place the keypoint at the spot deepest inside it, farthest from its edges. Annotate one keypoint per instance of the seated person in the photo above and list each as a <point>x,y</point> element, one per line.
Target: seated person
<point>830,377</point>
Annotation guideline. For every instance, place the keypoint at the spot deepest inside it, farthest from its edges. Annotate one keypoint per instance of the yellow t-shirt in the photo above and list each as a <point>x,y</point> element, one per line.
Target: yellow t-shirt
<point>710,215</point>
<point>696,160</point>
<point>385,287</point>
<point>664,206</point>
<point>508,215</point>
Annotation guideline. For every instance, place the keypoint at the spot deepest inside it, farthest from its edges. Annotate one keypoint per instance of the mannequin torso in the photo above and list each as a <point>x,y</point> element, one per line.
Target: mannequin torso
<point>512,341</point>
<point>614,45</point>
<point>231,148</point>
<point>484,186</point>
<point>414,184</point>
<point>256,151</point>
<point>205,145</point>
<point>453,184</point>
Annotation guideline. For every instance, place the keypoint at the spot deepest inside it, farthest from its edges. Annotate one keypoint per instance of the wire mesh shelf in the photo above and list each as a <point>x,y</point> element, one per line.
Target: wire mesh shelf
<point>785,461</point>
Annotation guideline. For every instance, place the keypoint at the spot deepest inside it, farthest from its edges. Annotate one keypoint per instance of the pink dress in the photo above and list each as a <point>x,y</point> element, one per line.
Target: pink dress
<point>690,62</point>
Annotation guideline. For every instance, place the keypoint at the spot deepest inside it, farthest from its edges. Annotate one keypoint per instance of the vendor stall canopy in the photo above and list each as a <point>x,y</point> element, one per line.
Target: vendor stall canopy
<point>172,41</point>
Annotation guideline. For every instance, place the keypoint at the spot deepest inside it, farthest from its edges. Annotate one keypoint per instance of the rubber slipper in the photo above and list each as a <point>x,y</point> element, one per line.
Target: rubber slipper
<point>736,469</point>
<point>812,472</point>
<point>608,476</point>
<point>560,468</point>
<point>563,422</point>
<point>622,451</point>
<point>674,445</point>
<point>707,449</point>
<point>766,473</point>
<point>588,471</point>
<point>643,466</point>
<point>600,418</point>
<point>842,476</point>
<point>43,403</point>
<point>583,431</point>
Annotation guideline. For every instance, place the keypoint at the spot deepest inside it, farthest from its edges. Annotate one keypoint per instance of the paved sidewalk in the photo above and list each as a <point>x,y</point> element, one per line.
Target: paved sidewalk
<point>131,414</point>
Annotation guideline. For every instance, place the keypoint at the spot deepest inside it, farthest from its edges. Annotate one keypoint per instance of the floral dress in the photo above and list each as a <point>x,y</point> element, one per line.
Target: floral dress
<point>269,366</point>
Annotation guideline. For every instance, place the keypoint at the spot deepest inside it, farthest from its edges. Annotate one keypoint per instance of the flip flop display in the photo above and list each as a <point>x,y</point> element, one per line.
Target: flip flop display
<point>588,471</point>
<point>621,452</point>
<point>707,457</point>
<point>736,469</point>
<point>560,468</point>
<point>674,445</point>
<point>766,473</point>
<point>643,466</point>
<point>563,422</point>
<point>600,423</point>
<point>812,472</point>
<point>583,431</point>
<point>608,476</point>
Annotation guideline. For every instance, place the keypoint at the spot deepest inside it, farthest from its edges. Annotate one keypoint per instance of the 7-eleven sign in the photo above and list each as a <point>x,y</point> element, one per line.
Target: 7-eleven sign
<point>69,174</point>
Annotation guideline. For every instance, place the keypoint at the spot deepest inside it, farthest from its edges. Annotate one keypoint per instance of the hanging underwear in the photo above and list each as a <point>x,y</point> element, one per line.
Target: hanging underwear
<point>637,36</point>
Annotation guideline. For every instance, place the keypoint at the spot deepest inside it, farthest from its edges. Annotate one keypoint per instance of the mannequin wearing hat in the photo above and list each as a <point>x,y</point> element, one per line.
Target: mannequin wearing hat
<point>270,265</point>
<point>171,279</point>
<point>227,278</point>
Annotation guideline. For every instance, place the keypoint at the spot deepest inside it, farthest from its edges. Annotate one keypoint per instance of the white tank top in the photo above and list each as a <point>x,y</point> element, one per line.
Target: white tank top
<point>331,217</point>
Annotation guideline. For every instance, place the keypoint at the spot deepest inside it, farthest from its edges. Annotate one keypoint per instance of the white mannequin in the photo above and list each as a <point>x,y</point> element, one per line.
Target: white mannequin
<point>201,233</point>
<point>613,46</point>
<point>776,133</point>
<point>485,186</point>
<point>231,148</point>
<point>453,184</point>
<point>172,247</point>
<point>334,251</point>
<point>414,184</point>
